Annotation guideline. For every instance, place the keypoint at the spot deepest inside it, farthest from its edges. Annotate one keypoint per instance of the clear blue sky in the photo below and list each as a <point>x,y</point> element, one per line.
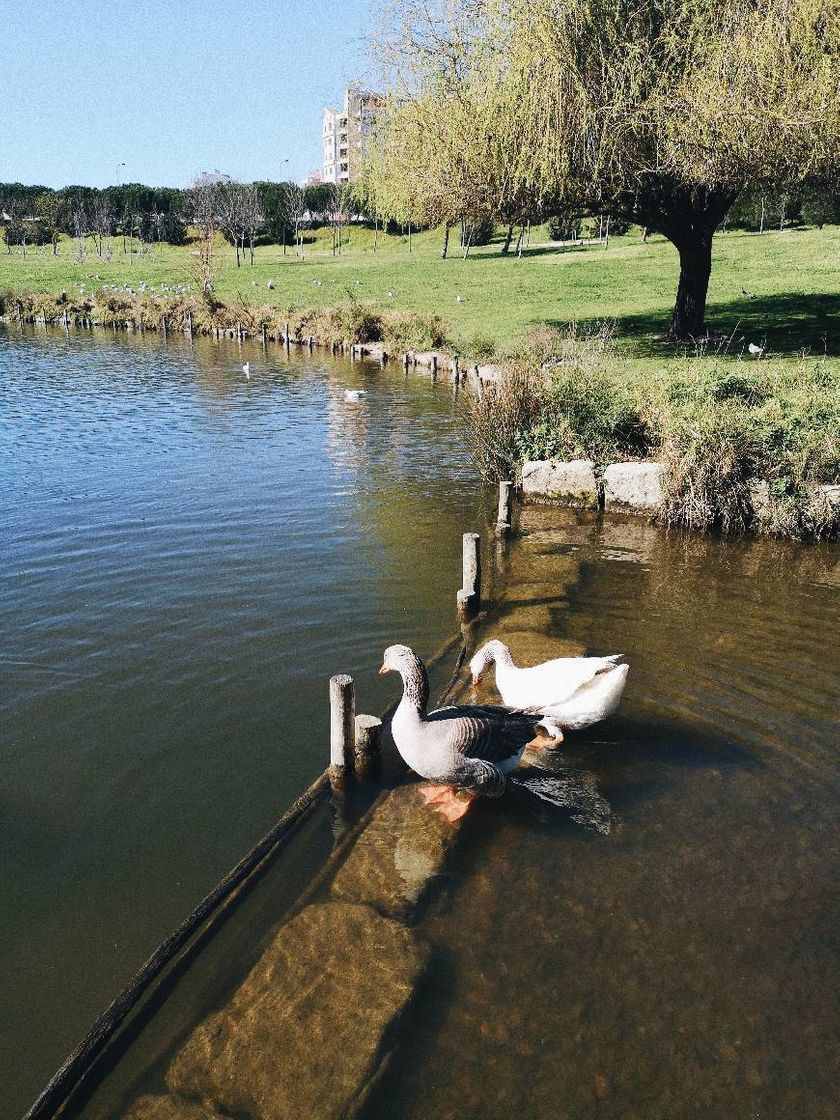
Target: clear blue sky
<point>173,87</point>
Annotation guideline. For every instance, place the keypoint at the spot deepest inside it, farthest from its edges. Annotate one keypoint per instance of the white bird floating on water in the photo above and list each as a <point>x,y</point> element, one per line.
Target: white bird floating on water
<point>756,351</point>
<point>246,369</point>
<point>572,692</point>
<point>354,394</point>
<point>465,751</point>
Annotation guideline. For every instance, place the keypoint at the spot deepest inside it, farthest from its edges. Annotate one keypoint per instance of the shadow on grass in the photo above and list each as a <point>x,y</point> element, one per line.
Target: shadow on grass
<point>784,324</point>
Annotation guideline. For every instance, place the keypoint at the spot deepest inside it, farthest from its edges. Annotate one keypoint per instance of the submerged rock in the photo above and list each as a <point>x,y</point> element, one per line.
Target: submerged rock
<point>397,854</point>
<point>169,1108</point>
<point>303,1035</point>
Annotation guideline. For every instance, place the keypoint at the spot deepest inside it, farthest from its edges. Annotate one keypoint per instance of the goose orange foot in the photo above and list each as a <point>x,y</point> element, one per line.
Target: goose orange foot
<point>451,803</point>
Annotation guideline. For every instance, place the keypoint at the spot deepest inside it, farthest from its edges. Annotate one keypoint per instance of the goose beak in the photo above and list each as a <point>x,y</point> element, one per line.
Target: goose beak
<point>384,670</point>
<point>476,681</point>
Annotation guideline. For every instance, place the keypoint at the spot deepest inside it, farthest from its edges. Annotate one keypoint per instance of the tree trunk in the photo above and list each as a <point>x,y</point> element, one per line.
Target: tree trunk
<point>445,248</point>
<point>695,250</point>
<point>508,239</point>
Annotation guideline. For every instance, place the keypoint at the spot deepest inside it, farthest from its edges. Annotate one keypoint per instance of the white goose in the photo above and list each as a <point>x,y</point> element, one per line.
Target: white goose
<point>354,394</point>
<point>465,751</point>
<point>572,692</point>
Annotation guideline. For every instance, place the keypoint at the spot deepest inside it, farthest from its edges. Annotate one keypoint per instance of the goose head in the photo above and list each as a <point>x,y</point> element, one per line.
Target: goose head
<point>398,659</point>
<point>403,660</point>
<point>489,653</point>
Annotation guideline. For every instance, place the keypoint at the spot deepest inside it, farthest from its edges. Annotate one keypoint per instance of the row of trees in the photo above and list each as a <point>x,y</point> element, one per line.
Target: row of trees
<point>242,212</point>
<point>656,112</point>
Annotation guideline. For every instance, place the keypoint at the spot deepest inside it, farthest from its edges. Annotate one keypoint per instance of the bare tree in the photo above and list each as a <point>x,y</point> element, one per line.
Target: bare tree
<point>296,210</point>
<point>80,226</point>
<point>101,221</point>
<point>203,209</point>
<point>254,214</point>
<point>232,214</point>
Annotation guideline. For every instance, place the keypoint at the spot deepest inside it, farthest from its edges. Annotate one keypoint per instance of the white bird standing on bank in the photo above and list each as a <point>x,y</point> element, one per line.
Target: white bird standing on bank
<point>246,369</point>
<point>572,692</point>
<point>756,351</point>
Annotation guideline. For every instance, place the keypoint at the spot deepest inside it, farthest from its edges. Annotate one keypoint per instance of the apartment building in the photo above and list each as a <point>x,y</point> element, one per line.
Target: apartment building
<point>345,135</point>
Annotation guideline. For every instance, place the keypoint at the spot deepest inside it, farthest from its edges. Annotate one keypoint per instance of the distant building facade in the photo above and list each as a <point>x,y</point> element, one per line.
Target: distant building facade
<point>313,179</point>
<point>345,135</point>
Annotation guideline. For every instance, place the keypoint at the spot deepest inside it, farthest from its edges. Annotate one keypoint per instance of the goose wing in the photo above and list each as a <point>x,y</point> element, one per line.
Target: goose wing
<point>556,681</point>
<point>485,731</point>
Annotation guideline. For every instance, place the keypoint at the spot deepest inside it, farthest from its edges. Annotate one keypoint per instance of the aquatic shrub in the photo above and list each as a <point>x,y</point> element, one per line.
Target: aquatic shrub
<point>410,330</point>
<point>481,347</point>
<point>586,415</point>
<point>496,419</point>
<point>710,459</point>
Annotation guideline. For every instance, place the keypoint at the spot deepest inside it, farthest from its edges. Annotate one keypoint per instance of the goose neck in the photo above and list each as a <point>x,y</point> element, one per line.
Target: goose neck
<point>415,685</point>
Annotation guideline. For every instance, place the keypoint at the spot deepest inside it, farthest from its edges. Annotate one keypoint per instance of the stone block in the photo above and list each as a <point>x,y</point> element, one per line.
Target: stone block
<point>303,1034</point>
<point>373,350</point>
<point>432,358</point>
<point>572,483</point>
<point>397,854</point>
<point>634,486</point>
<point>490,374</point>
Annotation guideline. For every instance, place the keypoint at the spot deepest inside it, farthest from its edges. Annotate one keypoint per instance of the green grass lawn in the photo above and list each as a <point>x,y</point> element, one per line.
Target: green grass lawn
<point>490,298</point>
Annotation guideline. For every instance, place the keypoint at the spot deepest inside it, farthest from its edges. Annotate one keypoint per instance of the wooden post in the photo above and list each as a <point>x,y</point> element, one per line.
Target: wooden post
<point>368,743</point>
<point>239,332</point>
<point>469,597</point>
<point>311,342</point>
<point>455,370</point>
<point>286,335</point>
<point>434,366</point>
<point>163,324</point>
<point>405,359</point>
<point>263,335</point>
<point>66,324</point>
<point>504,516</point>
<point>189,324</point>
<point>342,726</point>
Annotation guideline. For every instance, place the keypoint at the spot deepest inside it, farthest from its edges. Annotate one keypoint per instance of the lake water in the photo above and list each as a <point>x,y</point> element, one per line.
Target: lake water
<point>187,556</point>
<point>656,942</point>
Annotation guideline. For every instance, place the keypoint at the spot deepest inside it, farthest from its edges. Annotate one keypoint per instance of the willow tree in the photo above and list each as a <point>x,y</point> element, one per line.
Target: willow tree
<point>656,111</point>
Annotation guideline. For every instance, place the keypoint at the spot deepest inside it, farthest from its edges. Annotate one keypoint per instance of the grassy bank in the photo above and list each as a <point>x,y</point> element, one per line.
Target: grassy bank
<point>488,303</point>
<point>719,426</point>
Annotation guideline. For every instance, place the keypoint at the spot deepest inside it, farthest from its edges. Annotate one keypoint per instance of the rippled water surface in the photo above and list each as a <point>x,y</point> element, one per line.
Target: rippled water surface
<point>187,557</point>
<point>644,928</point>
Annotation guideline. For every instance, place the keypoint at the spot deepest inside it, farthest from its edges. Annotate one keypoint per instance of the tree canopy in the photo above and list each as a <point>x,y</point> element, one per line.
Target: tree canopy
<point>657,111</point>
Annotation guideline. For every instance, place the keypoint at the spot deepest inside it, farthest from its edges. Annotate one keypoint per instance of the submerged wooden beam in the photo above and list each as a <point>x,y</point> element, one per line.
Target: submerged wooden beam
<point>71,1075</point>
